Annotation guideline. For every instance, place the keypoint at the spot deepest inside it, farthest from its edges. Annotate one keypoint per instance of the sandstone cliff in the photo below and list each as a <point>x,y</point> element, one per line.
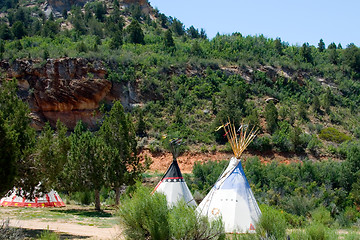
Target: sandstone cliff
<point>69,89</point>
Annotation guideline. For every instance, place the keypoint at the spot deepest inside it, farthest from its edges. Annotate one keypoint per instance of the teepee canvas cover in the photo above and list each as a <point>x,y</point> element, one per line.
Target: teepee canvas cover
<point>231,197</point>
<point>174,186</point>
<point>172,183</point>
<point>51,199</point>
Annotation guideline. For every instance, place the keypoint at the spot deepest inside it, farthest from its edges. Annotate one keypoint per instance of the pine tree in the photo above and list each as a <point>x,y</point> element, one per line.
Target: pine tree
<point>116,40</point>
<point>16,139</point>
<point>118,132</point>
<point>278,46</point>
<point>316,104</point>
<point>168,40</point>
<point>321,45</point>
<point>271,116</point>
<point>88,164</point>
<point>136,34</point>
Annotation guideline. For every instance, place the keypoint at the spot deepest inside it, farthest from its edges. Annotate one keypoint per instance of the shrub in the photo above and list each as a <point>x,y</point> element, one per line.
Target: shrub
<point>322,215</point>
<point>186,223</point>
<point>317,231</point>
<point>9,233</point>
<point>146,216</point>
<point>272,224</point>
<point>206,174</point>
<point>261,144</point>
<point>47,235</point>
<point>333,135</point>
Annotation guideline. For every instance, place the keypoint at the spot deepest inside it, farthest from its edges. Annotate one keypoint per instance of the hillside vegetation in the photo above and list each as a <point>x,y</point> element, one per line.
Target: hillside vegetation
<point>303,99</point>
<point>191,84</point>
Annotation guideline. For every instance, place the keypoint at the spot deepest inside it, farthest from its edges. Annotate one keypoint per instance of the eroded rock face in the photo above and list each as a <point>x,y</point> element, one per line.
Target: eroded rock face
<point>61,5</point>
<point>69,89</point>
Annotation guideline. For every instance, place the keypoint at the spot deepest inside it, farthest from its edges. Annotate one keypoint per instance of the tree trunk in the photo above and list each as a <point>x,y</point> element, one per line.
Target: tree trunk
<point>97,200</point>
<point>117,196</point>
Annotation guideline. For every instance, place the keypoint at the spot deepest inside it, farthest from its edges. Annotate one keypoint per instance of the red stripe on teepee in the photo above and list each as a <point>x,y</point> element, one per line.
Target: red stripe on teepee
<point>173,178</point>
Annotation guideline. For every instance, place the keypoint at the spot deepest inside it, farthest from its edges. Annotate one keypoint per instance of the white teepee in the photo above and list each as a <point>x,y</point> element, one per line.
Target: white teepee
<point>173,184</point>
<point>12,199</point>
<point>231,197</point>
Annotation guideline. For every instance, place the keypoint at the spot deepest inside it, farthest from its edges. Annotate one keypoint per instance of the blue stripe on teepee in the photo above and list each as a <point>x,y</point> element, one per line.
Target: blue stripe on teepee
<point>237,181</point>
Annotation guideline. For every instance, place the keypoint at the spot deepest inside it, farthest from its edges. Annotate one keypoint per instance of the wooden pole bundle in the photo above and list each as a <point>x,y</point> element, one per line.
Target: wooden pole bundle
<point>239,141</point>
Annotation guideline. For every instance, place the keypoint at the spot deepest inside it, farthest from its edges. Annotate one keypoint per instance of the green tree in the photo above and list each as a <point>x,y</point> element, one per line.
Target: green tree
<point>18,30</point>
<point>17,139</point>
<point>50,29</point>
<point>168,40</point>
<point>327,100</point>
<point>333,56</point>
<point>316,103</point>
<point>271,116</point>
<point>321,45</point>
<point>305,53</point>
<point>193,32</point>
<point>351,57</point>
<point>278,46</point>
<point>177,27</point>
<point>100,11</point>
<point>302,112</point>
<point>136,34</point>
<point>88,163</point>
<point>51,155</point>
<point>5,32</point>
<point>116,40</point>
<point>332,46</point>
<point>119,134</point>
<point>141,125</point>
<point>2,48</point>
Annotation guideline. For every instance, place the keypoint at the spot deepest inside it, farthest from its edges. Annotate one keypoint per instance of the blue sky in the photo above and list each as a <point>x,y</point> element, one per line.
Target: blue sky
<point>293,21</point>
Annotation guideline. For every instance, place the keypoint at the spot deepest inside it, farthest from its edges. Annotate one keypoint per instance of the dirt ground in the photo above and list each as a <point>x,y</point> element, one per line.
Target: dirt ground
<point>186,161</point>
<point>71,222</point>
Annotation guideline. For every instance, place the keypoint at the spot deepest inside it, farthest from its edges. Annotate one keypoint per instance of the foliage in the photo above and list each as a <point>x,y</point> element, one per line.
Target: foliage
<point>146,216</point>
<point>89,159</point>
<point>9,233</point>
<point>118,134</point>
<point>16,139</point>
<point>205,175</point>
<point>272,224</point>
<point>271,116</point>
<point>333,135</point>
<point>136,34</point>
<point>47,235</point>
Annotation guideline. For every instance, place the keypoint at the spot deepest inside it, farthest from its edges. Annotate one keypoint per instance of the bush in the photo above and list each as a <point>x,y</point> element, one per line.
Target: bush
<point>146,216</point>
<point>333,135</point>
<point>206,174</point>
<point>317,231</point>
<point>322,215</point>
<point>47,235</point>
<point>272,224</point>
<point>9,233</point>
<point>186,223</point>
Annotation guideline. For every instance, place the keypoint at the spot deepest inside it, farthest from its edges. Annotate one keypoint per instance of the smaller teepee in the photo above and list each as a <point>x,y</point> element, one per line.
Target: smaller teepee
<point>172,184</point>
<point>231,196</point>
<point>12,199</point>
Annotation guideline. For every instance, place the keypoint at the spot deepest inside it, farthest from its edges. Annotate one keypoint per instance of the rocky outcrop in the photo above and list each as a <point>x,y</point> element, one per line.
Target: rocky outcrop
<point>58,6</point>
<point>69,89</point>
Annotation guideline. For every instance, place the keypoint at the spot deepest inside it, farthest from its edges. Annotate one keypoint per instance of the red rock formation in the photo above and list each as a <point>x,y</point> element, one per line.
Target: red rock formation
<point>69,89</point>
